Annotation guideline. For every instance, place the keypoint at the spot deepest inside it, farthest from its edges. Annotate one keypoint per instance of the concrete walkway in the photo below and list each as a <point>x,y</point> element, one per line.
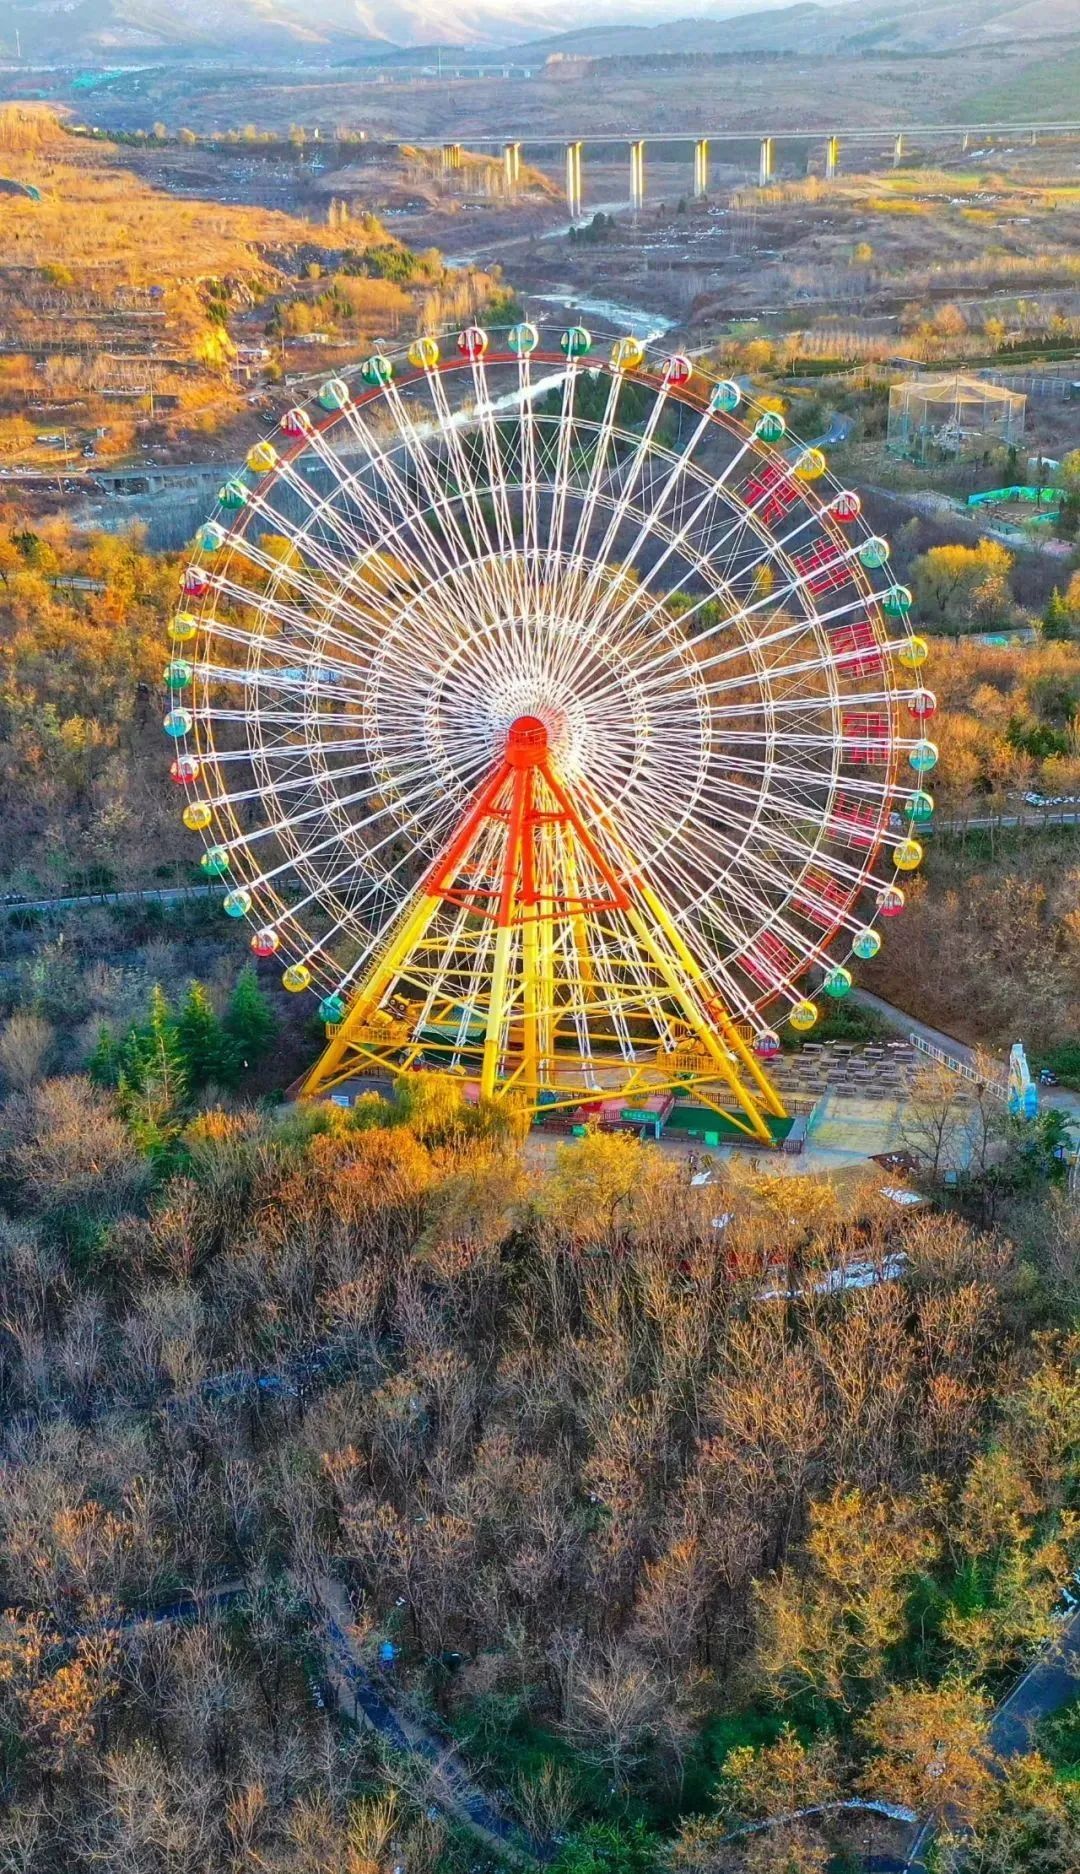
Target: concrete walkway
<point>452,1787</point>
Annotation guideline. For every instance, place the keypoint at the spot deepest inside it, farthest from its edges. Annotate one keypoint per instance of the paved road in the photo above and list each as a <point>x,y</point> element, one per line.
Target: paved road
<point>164,894</point>
<point>907,1025</point>
<point>1062,1099</point>
<point>1039,817</point>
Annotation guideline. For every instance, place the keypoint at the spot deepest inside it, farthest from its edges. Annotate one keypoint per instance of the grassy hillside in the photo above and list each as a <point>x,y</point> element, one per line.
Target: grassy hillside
<point>1047,88</point>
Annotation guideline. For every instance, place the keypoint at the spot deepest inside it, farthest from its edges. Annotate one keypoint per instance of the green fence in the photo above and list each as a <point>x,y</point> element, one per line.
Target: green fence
<point>1042,497</point>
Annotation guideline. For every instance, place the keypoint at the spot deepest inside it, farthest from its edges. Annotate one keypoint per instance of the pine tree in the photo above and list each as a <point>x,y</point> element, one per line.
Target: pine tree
<point>151,1084</point>
<point>103,1063</point>
<point>1055,622</point>
<point>249,1024</point>
<point>151,1063</point>
<point>204,1048</point>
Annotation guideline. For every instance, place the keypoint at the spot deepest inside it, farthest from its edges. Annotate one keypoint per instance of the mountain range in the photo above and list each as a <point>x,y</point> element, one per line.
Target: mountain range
<point>119,31</point>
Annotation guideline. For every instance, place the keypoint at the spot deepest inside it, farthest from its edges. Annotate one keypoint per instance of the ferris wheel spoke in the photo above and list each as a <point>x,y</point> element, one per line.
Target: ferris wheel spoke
<point>369,893</point>
<point>433,485</point>
<point>471,496</point>
<point>266,602</point>
<point>352,562</point>
<point>343,653</point>
<point>680,536</point>
<point>851,783</point>
<point>809,704</point>
<point>495,465</point>
<point>739,897</point>
<point>407,661</point>
<point>530,529</point>
<point>598,467</point>
<point>799,584</point>
<point>397,524</point>
<point>560,475</point>
<point>331,539</point>
<point>803,852</point>
<point>397,513</point>
<point>692,622</point>
<point>635,466</point>
<point>674,469</point>
<point>283,827</point>
<point>748,518</point>
<point>778,638</point>
<point>771,602</point>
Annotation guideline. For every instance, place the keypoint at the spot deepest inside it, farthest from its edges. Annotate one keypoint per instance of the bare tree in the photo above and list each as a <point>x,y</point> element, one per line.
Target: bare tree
<point>934,1124</point>
<point>26,1042</point>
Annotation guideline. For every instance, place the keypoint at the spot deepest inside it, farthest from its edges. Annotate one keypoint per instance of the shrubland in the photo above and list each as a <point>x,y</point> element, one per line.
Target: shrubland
<point>663,1557</point>
<point>83,795</point>
<point>989,945</point>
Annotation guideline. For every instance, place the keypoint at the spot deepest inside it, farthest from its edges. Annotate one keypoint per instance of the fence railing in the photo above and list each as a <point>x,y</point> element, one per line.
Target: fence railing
<point>994,1083</point>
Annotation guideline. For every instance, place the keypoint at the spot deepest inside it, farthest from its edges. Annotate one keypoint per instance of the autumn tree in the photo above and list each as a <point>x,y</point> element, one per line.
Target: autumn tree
<point>931,1749</point>
<point>613,1707</point>
<point>777,1779</point>
<point>791,1850</point>
<point>70,1155</point>
<point>958,587</point>
<point>935,1119</point>
<point>1030,1821</point>
<point>26,1042</point>
<point>826,1631</point>
<point>595,1185</point>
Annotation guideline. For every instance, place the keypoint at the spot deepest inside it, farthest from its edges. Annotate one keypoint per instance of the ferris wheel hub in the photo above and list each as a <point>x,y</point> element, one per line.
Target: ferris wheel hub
<point>526,742</point>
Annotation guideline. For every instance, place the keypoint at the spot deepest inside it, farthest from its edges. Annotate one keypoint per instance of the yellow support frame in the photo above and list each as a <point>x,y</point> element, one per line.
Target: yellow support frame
<point>545,841</point>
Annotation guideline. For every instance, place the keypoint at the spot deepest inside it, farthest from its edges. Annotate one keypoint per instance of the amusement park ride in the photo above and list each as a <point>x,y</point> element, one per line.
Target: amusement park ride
<point>549,711</point>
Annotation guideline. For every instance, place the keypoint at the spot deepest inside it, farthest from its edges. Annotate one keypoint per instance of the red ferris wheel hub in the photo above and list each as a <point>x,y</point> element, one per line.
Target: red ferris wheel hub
<point>526,742</point>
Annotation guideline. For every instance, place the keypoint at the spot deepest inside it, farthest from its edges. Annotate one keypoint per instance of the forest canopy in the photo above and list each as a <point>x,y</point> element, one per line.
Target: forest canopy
<point>662,1558</point>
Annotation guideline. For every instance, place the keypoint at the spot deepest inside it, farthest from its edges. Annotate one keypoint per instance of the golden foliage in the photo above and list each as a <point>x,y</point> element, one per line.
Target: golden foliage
<point>932,1748</point>
<point>828,1630</point>
<point>777,1779</point>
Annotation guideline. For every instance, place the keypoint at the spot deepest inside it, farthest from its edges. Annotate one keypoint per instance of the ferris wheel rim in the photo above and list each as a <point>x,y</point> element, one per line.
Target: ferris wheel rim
<point>445,367</point>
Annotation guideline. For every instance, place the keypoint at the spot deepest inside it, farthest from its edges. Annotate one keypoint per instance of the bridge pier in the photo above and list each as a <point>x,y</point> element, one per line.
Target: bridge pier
<point>637,175</point>
<point>832,158</point>
<point>701,167</point>
<point>765,163</point>
<point>573,179</point>
<point>898,150</point>
<point>451,157</point>
<point>512,166</point>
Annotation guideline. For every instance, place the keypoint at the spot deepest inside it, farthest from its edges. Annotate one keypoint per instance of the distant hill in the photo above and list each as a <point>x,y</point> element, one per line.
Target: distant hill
<point>105,30</point>
<point>855,26</point>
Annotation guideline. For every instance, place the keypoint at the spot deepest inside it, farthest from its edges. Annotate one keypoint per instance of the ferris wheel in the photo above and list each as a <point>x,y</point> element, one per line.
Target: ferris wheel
<point>547,710</point>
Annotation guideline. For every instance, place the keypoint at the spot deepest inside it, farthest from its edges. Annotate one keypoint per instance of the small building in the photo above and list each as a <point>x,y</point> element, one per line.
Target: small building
<point>935,417</point>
